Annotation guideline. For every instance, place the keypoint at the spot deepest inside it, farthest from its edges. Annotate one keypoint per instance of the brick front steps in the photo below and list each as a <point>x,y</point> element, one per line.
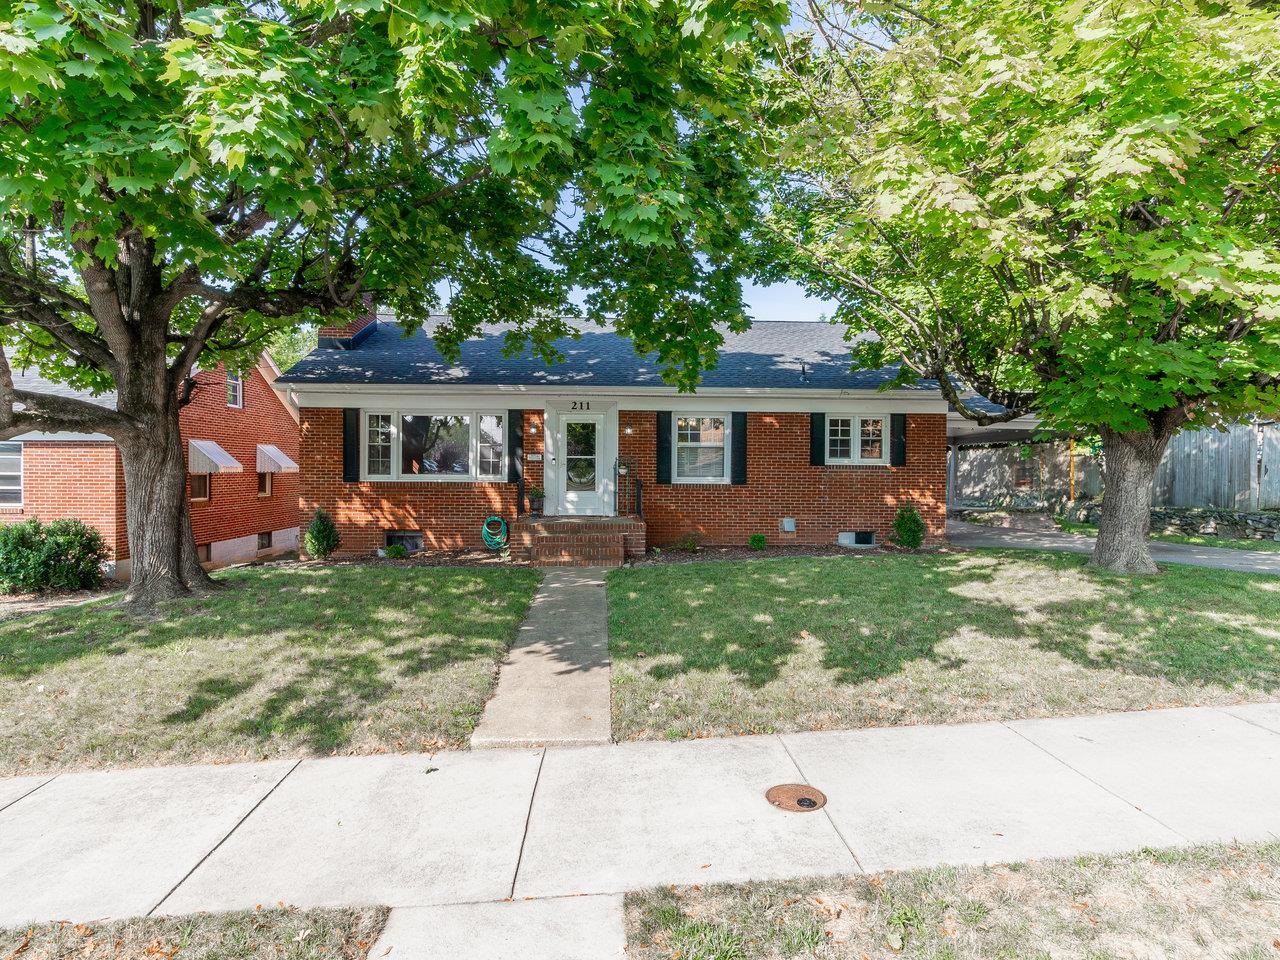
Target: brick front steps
<point>578,541</point>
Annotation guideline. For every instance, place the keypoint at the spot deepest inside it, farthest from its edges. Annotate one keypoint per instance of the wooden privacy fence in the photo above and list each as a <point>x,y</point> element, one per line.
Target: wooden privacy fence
<point>1223,469</point>
<point>1237,469</point>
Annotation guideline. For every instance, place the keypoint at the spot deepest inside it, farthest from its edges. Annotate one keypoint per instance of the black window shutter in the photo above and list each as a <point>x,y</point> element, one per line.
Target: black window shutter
<point>350,445</point>
<point>738,442</point>
<point>818,439</point>
<point>898,439</point>
<point>515,445</point>
<point>664,447</point>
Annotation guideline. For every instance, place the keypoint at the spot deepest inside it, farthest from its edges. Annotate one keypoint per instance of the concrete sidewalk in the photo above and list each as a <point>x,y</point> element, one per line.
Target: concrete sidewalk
<point>466,838</point>
<point>963,534</point>
<point>553,687</point>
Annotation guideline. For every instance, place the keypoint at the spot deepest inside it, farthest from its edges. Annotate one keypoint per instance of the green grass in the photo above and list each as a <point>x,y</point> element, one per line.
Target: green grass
<point>1212,901</point>
<point>1197,540</point>
<point>272,934</point>
<point>760,646</point>
<point>288,660</point>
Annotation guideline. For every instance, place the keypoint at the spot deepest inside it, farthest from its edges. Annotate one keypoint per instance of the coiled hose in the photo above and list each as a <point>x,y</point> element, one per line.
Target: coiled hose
<point>494,532</point>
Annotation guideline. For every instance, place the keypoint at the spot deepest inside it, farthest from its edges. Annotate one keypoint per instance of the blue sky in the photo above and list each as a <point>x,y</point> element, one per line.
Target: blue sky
<point>783,301</point>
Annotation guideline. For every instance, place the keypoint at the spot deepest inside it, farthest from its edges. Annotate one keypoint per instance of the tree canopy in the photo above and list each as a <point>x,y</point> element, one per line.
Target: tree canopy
<point>1070,205</point>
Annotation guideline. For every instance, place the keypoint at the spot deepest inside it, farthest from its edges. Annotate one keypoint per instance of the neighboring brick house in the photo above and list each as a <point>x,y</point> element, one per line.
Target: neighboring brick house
<point>782,439</point>
<point>242,451</point>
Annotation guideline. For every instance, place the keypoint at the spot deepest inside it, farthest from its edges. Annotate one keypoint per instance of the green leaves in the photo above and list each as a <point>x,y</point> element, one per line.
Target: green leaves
<point>1071,205</point>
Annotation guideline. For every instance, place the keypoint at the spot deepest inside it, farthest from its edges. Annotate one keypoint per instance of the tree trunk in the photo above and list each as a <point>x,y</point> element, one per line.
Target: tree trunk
<point>162,551</point>
<point>1130,468</point>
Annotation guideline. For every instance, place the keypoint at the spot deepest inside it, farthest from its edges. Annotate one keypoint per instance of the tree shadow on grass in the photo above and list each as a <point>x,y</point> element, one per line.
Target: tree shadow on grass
<point>310,652</point>
<point>874,616</point>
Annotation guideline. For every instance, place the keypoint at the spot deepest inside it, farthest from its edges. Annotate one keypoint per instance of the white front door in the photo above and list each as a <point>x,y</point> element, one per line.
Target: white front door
<point>582,467</point>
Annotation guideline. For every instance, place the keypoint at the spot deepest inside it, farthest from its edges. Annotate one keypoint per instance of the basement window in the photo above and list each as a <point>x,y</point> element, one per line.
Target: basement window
<point>411,540</point>
<point>264,540</point>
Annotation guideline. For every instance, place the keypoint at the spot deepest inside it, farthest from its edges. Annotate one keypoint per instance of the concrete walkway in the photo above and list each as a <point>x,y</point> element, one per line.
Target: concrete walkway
<point>963,534</point>
<point>553,688</point>
<point>493,853</point>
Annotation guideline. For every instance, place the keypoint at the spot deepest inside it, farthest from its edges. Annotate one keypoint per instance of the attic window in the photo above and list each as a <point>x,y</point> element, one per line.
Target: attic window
<point>235,390</point>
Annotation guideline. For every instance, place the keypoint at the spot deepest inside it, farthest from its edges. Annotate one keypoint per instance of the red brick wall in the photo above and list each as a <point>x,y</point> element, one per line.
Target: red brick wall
<point>74,479</point>
<point>449,514</point>
<point>235,509</point>
<point>781,482</point>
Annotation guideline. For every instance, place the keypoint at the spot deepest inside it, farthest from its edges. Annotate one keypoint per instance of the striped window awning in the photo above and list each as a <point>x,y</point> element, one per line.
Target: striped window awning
<point>205,456</point>
<point>271,459</point>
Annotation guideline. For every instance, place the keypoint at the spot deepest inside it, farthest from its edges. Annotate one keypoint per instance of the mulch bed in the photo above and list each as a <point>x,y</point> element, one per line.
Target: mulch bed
<point>670,555</point>
<point>438,558</point>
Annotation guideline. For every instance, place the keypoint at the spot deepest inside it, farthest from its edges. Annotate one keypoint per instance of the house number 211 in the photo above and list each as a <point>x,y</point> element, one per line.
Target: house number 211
<point>581,405</point>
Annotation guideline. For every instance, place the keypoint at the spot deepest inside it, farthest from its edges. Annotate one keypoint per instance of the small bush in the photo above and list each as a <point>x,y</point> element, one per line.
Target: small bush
<point>689,543</point>
<point>908,528</point>
<point>62,555</point>
<point>322,538</point>
<point>757,541</point>
<point>396,551</point>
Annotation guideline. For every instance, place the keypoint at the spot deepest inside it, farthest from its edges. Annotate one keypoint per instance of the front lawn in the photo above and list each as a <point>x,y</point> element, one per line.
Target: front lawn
<point>289,660</point>
<point>272,934</point>
<point>1200,902</point>
<point>710,649</point>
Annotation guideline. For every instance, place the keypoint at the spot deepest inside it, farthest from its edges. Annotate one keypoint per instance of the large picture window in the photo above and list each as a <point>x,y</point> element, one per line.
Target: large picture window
<point>857,440</point>
<point>11,474</point>
<point>467,445</point>
<point>702,449</point>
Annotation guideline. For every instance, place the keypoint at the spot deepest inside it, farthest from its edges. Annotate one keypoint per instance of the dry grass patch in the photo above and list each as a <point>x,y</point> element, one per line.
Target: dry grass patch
<point>842,642</point>
<point>1214,903</point>
<point>289,660</point>
<point>276,934</point>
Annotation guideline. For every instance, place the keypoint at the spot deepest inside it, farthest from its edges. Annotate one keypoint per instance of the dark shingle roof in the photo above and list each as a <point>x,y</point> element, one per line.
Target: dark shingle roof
<point>790,354</point>
<point>31,380</point>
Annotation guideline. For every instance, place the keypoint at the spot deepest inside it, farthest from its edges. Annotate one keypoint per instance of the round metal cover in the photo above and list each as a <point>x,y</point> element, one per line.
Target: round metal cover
<point>796,797</point>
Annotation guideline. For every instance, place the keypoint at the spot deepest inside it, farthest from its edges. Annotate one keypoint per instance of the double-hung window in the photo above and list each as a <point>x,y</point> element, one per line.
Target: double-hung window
<point>857,439</point>
<point>10,474</point>
<point>463,445</point>
<point>235,390</point>
<point>701,449</point>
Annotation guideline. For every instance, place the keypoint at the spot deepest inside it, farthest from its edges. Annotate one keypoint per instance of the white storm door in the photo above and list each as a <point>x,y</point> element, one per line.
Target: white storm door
<point>582,466</point>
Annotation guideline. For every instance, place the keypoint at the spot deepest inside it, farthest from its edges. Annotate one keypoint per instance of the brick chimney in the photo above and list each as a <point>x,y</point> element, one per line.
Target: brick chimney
<point>347,334</point>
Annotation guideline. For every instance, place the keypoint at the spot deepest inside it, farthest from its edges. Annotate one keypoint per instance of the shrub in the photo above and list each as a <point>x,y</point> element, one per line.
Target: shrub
<point>322,537</point>
<point>908,528</point>
<point>757,541</point>
<point>396,551</point>
<point>689,543</point>
<point>62,555</point>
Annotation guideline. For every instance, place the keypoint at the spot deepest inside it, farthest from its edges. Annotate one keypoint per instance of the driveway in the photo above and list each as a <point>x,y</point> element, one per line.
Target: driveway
<point>451,838</point>
<point>963,534</point>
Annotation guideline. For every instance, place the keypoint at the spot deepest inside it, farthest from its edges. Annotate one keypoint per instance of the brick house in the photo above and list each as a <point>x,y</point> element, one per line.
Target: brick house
<point>242,451</point>
<point>782,439</point>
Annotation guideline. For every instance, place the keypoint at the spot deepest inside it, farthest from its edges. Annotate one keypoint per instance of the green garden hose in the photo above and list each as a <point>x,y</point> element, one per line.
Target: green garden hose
<point>494,532</point>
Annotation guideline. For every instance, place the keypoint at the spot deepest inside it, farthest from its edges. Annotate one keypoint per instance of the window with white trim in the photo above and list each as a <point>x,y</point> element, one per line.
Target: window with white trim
<point>701,449</point>
<point>235,390</point>
<point>463,445</point>
<point>11,474</point>
<point>857,439</point>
